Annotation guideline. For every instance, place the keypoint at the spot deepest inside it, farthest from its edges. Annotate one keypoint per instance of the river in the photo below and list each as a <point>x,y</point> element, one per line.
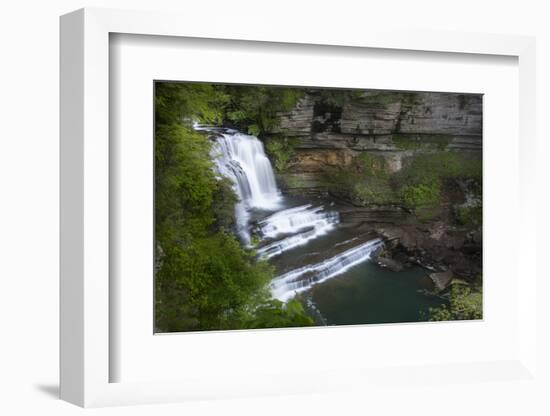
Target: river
<point>319,261</point>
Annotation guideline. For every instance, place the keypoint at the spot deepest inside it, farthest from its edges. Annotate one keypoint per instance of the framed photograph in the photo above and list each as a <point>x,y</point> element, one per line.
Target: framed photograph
<point>281,207</point>
<point>265,213</point>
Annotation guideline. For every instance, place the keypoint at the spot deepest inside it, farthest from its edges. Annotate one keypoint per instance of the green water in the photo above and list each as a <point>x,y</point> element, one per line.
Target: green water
<point>368,294</point>
<point>364,294</point>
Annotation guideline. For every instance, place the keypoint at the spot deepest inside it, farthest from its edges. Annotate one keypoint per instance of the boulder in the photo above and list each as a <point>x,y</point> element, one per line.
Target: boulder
<point>442,279</point>
<point>389,263</point>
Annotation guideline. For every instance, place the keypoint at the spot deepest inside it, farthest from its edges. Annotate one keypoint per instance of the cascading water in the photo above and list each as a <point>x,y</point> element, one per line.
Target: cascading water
<point>278,247</point>
<point>286,286</point>
<point>241,158</point>
<point>314,220</point>
<point>296,219</point>
<point>243,155</point>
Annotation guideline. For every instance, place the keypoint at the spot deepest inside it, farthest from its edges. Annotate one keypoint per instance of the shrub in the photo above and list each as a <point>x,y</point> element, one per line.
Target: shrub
<point>421,195</point>
<point>255,108</point>
<point>204,278</point>
<point>428,167</point>
<point>365,181</point>
<point>469,216</point>
<point>464,304</point>
<point>372,191</point>
<point>275,314</point>
<point>281,150</point>
<point>370,165</point>
<point>420,183</point>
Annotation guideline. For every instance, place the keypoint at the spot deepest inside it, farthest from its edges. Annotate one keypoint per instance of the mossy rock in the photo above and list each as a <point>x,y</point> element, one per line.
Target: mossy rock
<point>421,142</point>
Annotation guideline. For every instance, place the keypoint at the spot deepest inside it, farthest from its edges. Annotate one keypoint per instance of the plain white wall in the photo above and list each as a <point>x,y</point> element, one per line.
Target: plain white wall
<point>29,185</point>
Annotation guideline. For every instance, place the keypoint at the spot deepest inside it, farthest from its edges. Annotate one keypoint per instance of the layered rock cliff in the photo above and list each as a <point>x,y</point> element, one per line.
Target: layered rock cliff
<point>389,124</point>
<point>394,127</point>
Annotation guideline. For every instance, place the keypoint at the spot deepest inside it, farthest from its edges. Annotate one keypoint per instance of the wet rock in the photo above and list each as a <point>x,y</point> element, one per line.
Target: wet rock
<point>377,253</point>
<point>392,214</point>
<point>477,237</point>
<point>388,263</point>
<point>393,126</point>
<point>442,279</point>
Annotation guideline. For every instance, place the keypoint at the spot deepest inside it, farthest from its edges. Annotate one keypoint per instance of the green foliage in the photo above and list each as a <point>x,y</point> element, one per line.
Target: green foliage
<point>365,181</point>
<point>419,186</point>
<point>428,167</point>
<point>292,181</point>
<point>420,183</point>
<point>370,165</point>
<point>255,240</point>
<point>469,216</point>
<point>204,278</point>
<point>423,194</point>
<point>431,142</point>
<point>177,102</point>
<point>464,304</point>
<point>338,98</point>
<point>372,191</point>
<point>275,314</point>
<point>255,108</point>
<point>223,204</point>
<point>281,150</point>
<point>216,279</point>
<point>184,183</point>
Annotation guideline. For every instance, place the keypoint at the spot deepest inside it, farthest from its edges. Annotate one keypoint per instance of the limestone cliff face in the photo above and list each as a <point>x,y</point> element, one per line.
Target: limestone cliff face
<point>390,124</point>
<point>394,126</point>
<point>363,119</point>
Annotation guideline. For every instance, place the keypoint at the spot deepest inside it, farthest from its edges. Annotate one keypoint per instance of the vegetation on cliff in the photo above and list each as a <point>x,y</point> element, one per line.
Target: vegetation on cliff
<point>255,108</point>
<point>281,150</point>
<point>465,303</point>
<point>204,278</point>
<point>420,186</point>
<point>364,182</point>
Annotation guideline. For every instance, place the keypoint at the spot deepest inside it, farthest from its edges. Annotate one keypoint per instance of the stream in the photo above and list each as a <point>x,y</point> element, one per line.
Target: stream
<point>319,261</point>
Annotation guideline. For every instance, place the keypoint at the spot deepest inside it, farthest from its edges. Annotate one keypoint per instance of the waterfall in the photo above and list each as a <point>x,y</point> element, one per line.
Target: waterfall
<point>286,286</point>
<point>296,219</point>
<point>241,158</point>
<point>278,247</point>
<point>314,220</point>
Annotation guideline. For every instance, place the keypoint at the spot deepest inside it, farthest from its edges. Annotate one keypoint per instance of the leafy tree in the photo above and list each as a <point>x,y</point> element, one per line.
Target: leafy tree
<point>255,108</point>
<point>275,314</point>
<point>204,278</point>
<point>178,101</point>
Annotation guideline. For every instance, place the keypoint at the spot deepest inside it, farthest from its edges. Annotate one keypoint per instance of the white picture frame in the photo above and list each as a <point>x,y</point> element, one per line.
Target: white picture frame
<point>85,216</point>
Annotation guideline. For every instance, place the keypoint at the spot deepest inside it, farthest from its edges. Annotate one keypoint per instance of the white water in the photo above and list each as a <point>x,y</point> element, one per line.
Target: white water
<point>293,220</point>
<point>286,286</point>
<point>302,238</point>
<point>241,158</point>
